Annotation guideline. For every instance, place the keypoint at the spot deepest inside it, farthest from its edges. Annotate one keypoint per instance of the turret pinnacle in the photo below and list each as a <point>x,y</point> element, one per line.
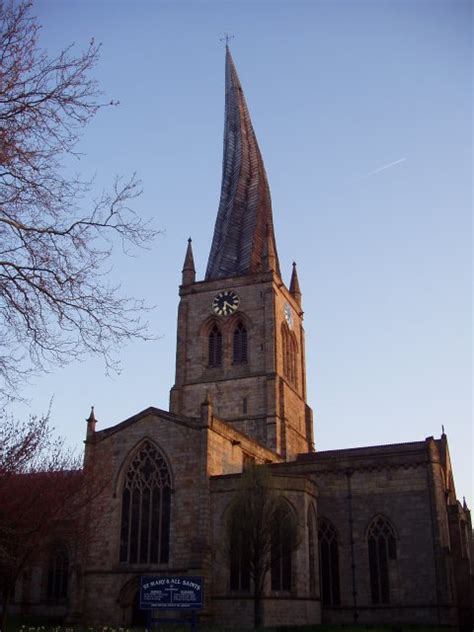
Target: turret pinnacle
<point>295,285</point>
<point>189,271</point>
<point>91,422</point>
<point>245,208</point>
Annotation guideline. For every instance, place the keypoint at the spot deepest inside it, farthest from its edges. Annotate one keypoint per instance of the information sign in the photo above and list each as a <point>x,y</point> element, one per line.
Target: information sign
<point>171,593</point>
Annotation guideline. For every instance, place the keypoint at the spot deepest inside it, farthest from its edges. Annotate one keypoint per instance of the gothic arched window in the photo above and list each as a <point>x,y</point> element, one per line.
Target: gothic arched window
<point>285,350</point>
<point>281,548</point>
<point>58,573</point>
<point>146,505</point>
<point>289,349</point>
<point>292,360</point>
<point>239,354</point>
<point>215,347</point>
<point>311,551</point>
<point>382,548</point>
<point>328,563</point>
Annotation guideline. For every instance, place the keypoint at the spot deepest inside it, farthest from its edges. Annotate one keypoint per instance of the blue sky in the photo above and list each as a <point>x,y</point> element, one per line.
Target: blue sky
<point>363,115</point>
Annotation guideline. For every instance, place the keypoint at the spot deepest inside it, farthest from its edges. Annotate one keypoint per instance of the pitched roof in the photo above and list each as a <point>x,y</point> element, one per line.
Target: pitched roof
<point>244,226</point>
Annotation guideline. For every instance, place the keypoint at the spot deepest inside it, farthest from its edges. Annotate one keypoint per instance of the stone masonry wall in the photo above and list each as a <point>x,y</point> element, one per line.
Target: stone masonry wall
<point>298,606</point>
<point>183,445</point>
<point>252,395</point>
<point>354,487</point>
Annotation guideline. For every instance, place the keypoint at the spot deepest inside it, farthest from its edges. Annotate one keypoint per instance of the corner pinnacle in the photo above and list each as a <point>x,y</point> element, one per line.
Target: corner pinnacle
<point>295,285</point>
<point>91,423</point>
<point>189,271</point>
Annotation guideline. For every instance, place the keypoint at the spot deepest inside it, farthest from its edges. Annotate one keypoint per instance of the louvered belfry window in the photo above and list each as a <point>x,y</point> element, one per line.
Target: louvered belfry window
<point>289,349</point>
<point>239,355</point>
<point>382,548</point>
<point>328,563</point>
<point>146,505</point>
<point>215,347</point>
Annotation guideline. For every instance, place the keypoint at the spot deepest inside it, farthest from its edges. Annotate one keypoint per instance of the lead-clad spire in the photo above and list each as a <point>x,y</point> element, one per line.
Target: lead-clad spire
<point>244,226</point>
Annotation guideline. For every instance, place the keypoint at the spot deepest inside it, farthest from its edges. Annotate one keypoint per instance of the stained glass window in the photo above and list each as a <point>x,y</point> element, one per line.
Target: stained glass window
<point>146,506</point>
<point>328,563</point>
<point>311,552</point>
<point>382,548</point>
<point>58,572</point>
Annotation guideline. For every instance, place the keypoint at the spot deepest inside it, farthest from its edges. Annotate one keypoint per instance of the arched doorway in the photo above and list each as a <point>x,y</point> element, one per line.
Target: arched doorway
<point>139,618</point>
<point>129,600</point>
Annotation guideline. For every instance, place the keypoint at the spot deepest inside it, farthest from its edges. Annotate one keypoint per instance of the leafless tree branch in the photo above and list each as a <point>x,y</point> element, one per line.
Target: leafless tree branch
<point>55,301</point>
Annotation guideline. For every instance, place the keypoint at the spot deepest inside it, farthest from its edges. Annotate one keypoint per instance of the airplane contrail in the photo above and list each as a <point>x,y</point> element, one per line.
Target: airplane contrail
<point>379,169</point>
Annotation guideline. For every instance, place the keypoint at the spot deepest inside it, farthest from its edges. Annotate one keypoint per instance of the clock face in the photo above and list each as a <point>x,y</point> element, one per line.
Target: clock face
<point>225,303</point>
<point>288,314</point>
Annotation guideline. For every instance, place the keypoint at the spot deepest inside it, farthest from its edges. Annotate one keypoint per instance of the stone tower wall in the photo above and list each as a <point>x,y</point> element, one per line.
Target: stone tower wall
<point>256,396</point>
<point>105,579</point>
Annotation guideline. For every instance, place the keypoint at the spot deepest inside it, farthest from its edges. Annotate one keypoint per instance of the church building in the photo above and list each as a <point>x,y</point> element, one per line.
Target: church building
<point>382,536</point>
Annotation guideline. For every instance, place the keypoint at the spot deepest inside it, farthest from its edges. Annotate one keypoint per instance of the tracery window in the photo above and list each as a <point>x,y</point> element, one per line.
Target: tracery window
<point>239,355</point>
<point>281,548</point>
<point>146,506</point>
<point>328,563</point>
<point>382,548</point>
<point>215,347</point>
<point>311,551</point>
<point>58,572</point>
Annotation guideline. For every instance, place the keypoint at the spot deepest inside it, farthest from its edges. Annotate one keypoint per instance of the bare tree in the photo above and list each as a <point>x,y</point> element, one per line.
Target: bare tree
<point>55,301</point>
<point>262,531</point>
<point>42,490</point>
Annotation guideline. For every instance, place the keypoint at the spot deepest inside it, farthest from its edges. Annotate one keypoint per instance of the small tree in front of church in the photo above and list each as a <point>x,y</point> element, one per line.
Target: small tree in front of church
<point>43,490</point>
<point>262,533</point>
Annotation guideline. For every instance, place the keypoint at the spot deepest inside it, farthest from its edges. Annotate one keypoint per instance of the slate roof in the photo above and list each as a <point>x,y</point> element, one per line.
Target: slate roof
<point>244,219</point>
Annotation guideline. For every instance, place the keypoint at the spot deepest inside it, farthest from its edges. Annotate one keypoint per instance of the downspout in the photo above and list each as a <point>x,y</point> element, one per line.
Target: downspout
<point>430,485</point>
<point>351,533</point>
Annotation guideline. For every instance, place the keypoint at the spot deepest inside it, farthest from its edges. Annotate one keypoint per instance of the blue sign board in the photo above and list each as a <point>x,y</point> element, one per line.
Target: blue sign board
<point>171,593</point>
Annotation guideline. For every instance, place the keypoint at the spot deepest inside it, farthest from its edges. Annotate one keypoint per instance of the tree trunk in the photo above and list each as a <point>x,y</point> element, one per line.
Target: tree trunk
<point>6,594</point>
<point>257,608</point>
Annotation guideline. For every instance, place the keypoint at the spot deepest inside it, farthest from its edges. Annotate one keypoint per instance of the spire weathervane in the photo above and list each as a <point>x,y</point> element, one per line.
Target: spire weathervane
<point>226,38</point>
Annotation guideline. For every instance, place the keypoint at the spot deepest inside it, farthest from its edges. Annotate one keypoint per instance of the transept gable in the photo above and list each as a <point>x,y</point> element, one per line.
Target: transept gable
<point>153,412</point>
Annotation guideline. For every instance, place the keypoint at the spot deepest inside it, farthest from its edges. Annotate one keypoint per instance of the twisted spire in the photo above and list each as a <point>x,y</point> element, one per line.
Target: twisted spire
<point>244,232</point>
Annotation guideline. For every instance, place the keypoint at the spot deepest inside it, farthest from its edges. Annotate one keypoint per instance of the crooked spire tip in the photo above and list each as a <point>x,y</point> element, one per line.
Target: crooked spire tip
<point>244,224</point>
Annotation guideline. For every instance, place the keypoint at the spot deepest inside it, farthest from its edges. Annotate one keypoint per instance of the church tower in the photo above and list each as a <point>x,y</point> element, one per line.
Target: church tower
<point>240,339</point>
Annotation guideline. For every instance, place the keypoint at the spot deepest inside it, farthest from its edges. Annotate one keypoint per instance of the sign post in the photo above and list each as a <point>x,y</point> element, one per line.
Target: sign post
<point>171,593</point>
